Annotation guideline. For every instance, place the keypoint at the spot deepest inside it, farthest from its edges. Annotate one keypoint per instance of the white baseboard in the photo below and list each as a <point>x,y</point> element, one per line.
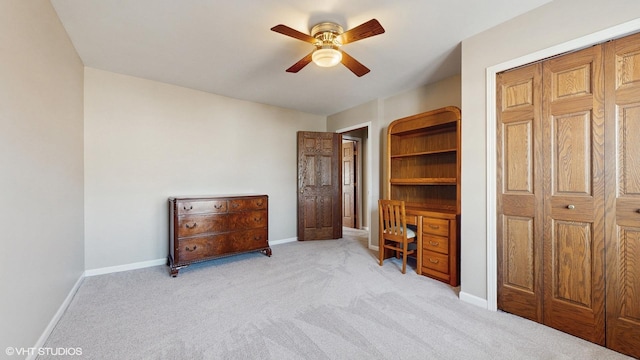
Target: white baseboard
<point>157,262</point>
<point>474,300</point>
<point>125,267</point>
<point>283,241</point>
<point>56,317</point>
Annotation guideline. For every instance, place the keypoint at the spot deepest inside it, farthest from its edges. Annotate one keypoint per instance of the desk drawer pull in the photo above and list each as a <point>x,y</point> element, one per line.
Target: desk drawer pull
<point>435,227</point>
<point>434,261</point>
<point>434,243</point>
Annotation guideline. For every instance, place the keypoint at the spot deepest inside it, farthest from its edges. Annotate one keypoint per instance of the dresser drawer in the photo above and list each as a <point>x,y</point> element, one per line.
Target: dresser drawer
<point>258,203</point>
<point>435,261</point>
<point>189,225</point>
<point>248,220</point>
<point>436,243</point>
<point>248,239</point>
<point>435,226</point>
<point>185,207</point>
<point>200,247</point>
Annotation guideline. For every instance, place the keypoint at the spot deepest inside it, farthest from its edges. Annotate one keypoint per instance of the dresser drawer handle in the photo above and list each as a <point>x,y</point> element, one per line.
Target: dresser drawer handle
<point>638,211</point>
<point>218,206</point>
<point>434,243</point>
<point>187,209</point>
<point>235,205</point>
<point>259,203</point>
<point>194,248</point>
<point>258,237</point>
<point>434,226</point>
<point>257,219</point>
<point>190,227</point>
<point>434,261</point>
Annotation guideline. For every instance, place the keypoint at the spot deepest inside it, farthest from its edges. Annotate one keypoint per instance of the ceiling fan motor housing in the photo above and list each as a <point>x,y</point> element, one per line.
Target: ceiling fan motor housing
<point>328,34</point>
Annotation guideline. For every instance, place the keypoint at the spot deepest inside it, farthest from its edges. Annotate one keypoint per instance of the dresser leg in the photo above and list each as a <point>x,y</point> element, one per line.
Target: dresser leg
<point>267,251</point>
<point>174,271</point>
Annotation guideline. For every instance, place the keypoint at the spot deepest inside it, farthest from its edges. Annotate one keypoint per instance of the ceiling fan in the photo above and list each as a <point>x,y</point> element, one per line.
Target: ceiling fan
<point>328,37</point>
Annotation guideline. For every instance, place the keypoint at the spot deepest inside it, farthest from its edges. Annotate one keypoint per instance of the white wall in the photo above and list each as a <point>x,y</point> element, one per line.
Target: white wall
<point>529,37</point>
<point>146,141</point>
<point>41,164</point>
<point>381,113</point>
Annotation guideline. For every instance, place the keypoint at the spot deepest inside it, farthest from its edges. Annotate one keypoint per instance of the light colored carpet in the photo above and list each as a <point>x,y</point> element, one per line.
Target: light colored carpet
<point>310,300</point>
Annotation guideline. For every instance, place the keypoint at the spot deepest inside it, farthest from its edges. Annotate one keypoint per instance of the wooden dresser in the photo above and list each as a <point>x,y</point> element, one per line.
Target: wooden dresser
<point>209,227</point>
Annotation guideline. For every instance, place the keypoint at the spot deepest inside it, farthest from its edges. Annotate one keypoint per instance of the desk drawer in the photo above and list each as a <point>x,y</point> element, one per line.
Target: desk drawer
<point>435,226</point>
<point>438,244</point>
<point>412,219</point>
<point>435,261</point>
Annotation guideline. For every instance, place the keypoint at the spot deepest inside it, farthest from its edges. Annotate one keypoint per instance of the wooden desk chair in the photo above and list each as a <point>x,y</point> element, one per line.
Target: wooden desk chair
<point>394,234</point>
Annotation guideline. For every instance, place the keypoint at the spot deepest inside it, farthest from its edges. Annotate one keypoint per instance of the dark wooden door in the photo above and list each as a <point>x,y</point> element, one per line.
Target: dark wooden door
<point>348,183</point>
<point>573,153</point>
<point>519,180</point>
<point>622,78</point>
<point>319,186</point>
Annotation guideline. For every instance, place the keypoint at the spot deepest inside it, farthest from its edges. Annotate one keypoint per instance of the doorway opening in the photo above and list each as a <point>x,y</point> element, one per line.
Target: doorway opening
<point>356,179</point>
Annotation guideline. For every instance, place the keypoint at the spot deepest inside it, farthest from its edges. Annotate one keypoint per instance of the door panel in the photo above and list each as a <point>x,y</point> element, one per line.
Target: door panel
<point>519,192</point>
<point>319,186</point>
<point>348,184</point>
<point>622,74</point>
<point>573,148</point>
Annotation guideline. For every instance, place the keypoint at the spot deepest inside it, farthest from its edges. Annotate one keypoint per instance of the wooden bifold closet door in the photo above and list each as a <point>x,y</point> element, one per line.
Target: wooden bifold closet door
<point>568,196</point>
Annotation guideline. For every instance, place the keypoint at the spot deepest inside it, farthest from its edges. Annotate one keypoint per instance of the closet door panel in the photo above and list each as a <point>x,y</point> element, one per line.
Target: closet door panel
<point>519,192</point>
<point>623,194</point>
<point>573,148</point>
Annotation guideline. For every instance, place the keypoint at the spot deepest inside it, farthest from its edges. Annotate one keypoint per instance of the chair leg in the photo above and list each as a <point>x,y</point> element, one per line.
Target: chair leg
<point>405,249</point>
<point>404,261</point>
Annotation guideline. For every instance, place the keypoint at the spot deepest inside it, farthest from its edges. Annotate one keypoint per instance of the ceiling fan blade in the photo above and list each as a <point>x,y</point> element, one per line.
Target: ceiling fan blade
<point>363,31</point>
<point>285,30</point>
<point>354,65</point>
<point>300,64</point>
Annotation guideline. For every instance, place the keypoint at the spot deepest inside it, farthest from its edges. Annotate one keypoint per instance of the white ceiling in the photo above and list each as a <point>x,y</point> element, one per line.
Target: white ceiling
<point>227,48</point>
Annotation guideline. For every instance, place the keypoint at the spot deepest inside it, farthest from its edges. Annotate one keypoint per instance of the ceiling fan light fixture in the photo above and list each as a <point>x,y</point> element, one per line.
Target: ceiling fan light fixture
<point>326,57</point>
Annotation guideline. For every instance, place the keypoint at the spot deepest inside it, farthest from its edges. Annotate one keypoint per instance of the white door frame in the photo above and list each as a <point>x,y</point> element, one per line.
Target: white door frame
<point>368,174</point>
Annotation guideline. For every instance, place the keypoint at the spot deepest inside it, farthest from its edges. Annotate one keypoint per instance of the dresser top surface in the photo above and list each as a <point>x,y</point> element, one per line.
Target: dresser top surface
<point>209,197</point>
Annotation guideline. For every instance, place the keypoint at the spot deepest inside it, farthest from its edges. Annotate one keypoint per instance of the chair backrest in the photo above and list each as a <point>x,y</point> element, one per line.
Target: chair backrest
<point>393,219</point>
